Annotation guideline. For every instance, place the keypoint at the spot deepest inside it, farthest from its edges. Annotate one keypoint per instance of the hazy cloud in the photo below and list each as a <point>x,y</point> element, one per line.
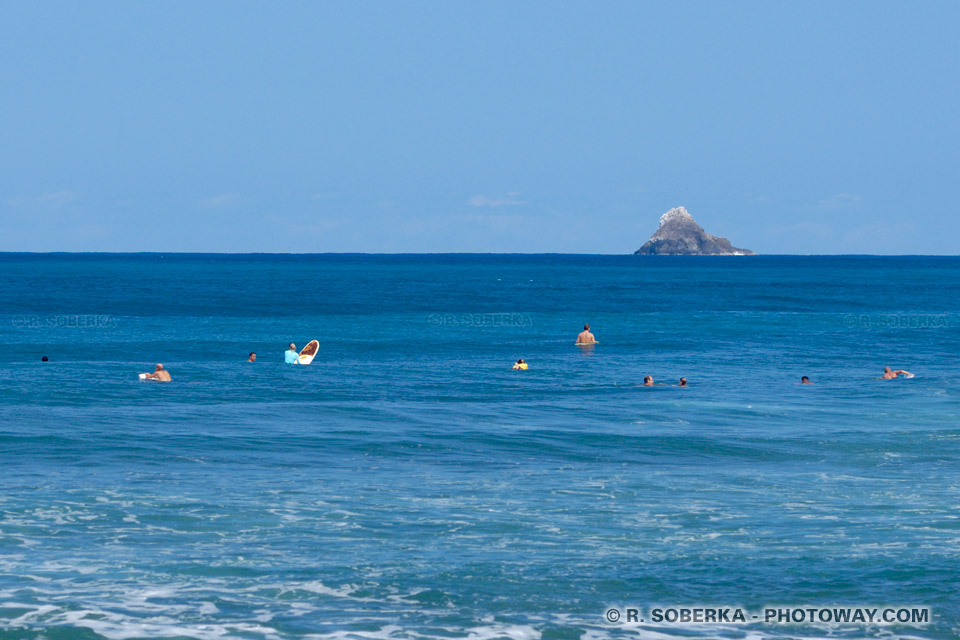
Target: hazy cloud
<point>840,201</point>
<point>497,222</point>
<point>221,201</point>
<point>57,198</point>
<point>815,230</point>
<point>880,237</point>
<point>484,201</point>
<point>52,199</point>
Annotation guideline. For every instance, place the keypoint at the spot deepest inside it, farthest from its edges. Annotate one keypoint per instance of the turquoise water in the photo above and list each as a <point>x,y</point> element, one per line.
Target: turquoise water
<point>409,484</point>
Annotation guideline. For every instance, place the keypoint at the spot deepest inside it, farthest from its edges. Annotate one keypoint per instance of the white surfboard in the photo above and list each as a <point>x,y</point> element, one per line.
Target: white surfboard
<point>308,353</point>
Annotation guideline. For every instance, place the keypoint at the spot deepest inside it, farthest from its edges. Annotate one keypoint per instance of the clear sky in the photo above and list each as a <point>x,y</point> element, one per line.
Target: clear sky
<point>390,126</point>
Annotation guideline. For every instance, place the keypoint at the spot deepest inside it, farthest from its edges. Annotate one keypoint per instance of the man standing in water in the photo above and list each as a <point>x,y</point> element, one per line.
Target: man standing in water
<point>290,356</point>
<point>889,374</point>
<point>160,374</point>
<point>585,336</point>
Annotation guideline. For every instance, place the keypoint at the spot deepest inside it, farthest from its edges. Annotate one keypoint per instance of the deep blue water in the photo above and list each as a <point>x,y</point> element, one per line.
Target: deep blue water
<point>409,484</point>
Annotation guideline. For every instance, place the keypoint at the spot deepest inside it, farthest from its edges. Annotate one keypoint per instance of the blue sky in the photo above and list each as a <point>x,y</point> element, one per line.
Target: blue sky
<point>813,127</point>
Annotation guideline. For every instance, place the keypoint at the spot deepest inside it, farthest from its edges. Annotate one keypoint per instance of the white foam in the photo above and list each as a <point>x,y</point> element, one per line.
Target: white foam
<point>345,592</point>
<point>208,608</point>
<point>27,617</point>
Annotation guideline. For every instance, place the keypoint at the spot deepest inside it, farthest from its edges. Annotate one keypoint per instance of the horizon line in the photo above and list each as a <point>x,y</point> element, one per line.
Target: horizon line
<point>476,253</point>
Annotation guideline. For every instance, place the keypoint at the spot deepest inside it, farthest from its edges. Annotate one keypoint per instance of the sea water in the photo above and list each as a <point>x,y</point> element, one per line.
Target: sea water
<point>410,484</point>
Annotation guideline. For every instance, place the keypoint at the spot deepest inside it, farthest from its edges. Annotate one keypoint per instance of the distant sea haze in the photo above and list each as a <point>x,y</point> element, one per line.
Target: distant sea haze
<point>410,484</point>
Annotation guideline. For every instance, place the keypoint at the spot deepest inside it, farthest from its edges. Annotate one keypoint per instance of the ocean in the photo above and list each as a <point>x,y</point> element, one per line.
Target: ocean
<point>409,484</point>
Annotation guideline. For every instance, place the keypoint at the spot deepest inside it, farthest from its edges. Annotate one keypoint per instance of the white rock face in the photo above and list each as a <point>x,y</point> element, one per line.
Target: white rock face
<point>677,214</point>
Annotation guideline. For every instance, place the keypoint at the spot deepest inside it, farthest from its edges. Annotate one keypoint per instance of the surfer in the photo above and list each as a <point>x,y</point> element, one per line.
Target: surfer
<point>290,356</point>
<point>253,357</point>
<point>585,337</point>
<point>889,374</point>
<point>805,380</point>
<point>521,365</point>
<point>159,374</point>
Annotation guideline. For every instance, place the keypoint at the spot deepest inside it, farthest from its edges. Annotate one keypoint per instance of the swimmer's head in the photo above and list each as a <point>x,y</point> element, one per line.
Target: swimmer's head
<point>886,369</point>
<point>520,361</point>
<point>804,379</point>
<point>159,366</point>
<point>586,327</point>
<point>683,382</point>
<point>252,356</point>
<point>44,359</point>
<point>293,346</point>
<point>647,380</point>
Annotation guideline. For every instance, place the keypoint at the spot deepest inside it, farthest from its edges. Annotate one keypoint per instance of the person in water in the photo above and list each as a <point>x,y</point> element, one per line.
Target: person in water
<point>683,382</point>
<point>160,374</point>
<point>585,337</point>
<point>520,365</point>
<point>648,381</point>
<point>889,374</point>
<point>290,356</point>
<point>253,357</point>
<point>44,359</point>
<point>805,380</point>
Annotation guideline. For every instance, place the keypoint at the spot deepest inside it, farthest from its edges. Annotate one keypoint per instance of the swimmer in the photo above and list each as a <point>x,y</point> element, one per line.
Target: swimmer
<point>805,380</point>
<point>889,374</point>
<point>159,374</point>
<point>290,356</point>
<point>683,382</point>
<point>44,359</point>
<point>648,381</point>
<point>253,357</point>
<point>585,337</point>
<point>521,365</point>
